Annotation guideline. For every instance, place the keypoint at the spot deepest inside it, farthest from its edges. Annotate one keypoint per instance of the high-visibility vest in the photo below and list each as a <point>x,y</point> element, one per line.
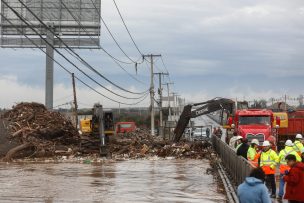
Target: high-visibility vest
<point>268,161</point>
<point>298,146</point>
<point>253,156</point>
<point>282,155</point>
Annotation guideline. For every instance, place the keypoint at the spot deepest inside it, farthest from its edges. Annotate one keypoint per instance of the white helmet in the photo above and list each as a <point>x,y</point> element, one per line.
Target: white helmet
<point>255,141</point>
<point>288,143</point>
<point>266,143</point>
<point>239,137</point>
<point>299,136</point>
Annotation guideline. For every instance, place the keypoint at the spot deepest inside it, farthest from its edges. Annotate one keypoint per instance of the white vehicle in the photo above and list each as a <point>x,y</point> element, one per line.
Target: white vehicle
<point>199,133</point>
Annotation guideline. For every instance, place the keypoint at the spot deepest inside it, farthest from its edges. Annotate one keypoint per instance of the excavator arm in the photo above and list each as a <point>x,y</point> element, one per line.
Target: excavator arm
<point>203,108</point>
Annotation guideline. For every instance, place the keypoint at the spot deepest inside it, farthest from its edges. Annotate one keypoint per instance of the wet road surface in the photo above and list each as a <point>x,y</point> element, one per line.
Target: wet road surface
<point>127,181</point>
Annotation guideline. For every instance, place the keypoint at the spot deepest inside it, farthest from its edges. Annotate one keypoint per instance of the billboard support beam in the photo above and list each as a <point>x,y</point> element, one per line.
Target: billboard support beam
<point>49,71</point>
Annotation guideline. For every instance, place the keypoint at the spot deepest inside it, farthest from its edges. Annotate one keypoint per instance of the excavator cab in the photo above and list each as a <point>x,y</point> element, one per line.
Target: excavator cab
<point>99,128</point>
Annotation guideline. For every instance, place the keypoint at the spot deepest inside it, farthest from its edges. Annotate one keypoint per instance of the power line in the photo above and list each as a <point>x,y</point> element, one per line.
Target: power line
<point>82,27</point>
<point>21,18</point>
<point>77,56</point>
<point>164,64</point>
<point>81,81</point>
<point>127,28</point>
<point>112,36</point>
<point>65,104</point>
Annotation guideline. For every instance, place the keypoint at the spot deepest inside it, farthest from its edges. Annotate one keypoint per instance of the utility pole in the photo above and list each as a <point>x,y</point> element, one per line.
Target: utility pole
<point>160,92</point>
<point>75,100</point>
<point>169,100</point>
<point>176,113</point>
<point>285,102</point>
<point>151,57</point>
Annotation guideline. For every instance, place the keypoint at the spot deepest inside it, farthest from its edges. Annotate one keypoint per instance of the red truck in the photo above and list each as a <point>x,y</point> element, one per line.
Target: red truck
<point>291,123</point>
<point>125,127</point>
<point>255,124</point>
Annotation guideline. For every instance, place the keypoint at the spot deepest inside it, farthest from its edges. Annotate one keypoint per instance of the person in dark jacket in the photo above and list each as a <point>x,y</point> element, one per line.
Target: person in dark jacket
<point>294,180</point>
<point>243,148</point>
<point>253,189</point>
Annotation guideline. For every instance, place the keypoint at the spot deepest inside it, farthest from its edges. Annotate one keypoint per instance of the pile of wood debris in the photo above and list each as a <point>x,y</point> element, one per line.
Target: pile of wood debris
<point>38,132</point>
<point>141,144</point>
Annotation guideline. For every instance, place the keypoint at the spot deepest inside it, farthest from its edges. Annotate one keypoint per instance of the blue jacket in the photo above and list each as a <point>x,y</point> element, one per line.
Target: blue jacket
<point>253,190</point>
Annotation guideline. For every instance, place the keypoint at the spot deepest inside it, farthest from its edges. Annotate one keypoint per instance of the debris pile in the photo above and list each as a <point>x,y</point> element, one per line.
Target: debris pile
<point>39,132</point>
<point>141,144</point>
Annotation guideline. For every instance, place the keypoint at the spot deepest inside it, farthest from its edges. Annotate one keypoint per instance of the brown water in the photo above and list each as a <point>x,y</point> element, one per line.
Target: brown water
<point>127,181</point>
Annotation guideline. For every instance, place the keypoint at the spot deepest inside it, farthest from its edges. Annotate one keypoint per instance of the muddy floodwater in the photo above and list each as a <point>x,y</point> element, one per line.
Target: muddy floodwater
<point>125,181</point>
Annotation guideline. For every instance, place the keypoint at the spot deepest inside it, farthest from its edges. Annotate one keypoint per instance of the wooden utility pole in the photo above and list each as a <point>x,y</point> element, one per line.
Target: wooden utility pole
<point>75,100</point>
<point>160,92</point>
<point>169,100</point>
<point>151,58</point>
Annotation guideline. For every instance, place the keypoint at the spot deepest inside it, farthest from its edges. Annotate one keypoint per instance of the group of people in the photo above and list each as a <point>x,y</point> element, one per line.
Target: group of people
<point>265,161</point>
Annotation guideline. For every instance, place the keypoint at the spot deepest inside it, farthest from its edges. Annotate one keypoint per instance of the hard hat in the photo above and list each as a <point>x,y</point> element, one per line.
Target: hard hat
<point>255,141</point>
<point>299,136</point>
<point>266,143</point>
<point>239,137</point>
<point>288,143</point>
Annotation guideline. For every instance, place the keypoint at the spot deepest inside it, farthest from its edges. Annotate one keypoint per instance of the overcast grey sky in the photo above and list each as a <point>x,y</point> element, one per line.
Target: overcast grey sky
<point>230,48</point>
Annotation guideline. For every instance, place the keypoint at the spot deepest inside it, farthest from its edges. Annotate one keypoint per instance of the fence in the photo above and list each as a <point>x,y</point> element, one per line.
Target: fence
<point>237,167</point>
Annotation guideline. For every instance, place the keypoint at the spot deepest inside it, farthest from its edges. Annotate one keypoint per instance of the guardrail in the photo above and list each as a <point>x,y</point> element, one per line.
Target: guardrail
<point>237,167</point>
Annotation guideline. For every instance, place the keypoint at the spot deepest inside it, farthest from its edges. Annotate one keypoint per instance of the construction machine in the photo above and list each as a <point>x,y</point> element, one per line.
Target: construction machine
<point>218,104</point>
<point>99,128</point>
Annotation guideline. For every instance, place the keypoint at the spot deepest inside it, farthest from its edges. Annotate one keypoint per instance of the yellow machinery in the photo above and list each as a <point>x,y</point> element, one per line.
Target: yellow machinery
<point>85,126</point>
<point>283,119</point>
<point>100,127</point>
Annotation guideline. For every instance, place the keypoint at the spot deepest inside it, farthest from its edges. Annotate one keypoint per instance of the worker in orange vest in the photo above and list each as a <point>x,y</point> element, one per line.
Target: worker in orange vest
<point>284,168</point>
<point>268,161</point>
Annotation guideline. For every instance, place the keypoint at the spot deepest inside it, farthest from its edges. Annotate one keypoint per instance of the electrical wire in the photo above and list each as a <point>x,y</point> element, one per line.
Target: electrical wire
<point>67,103</point>
<point>162,60</point>
<point>114,39</point>
<point>71,50</point>
<point>72,62</point>
<point>90,87</point>
<point>82,27</point>
<point>122,19</point>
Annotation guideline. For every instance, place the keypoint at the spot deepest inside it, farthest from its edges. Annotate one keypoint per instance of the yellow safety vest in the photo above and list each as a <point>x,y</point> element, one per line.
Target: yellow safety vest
<point>298,146</point>
<point>251,153</point>
<point>268,161</point>
<point>285,152</point>
<point>282,155</point>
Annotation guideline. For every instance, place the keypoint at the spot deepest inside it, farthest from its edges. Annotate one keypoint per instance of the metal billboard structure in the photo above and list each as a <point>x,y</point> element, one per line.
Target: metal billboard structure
<point>50,24</point>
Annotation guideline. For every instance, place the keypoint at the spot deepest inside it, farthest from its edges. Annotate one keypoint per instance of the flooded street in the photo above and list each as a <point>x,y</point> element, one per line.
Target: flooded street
<point>126,181</point>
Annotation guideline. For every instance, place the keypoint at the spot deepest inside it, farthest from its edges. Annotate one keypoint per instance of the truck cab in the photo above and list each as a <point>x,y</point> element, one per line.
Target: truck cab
<point>255,124</point>
<point>125,127</point>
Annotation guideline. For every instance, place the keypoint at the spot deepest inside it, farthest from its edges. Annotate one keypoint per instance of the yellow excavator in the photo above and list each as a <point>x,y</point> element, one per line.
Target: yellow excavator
<point>99,127</point>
